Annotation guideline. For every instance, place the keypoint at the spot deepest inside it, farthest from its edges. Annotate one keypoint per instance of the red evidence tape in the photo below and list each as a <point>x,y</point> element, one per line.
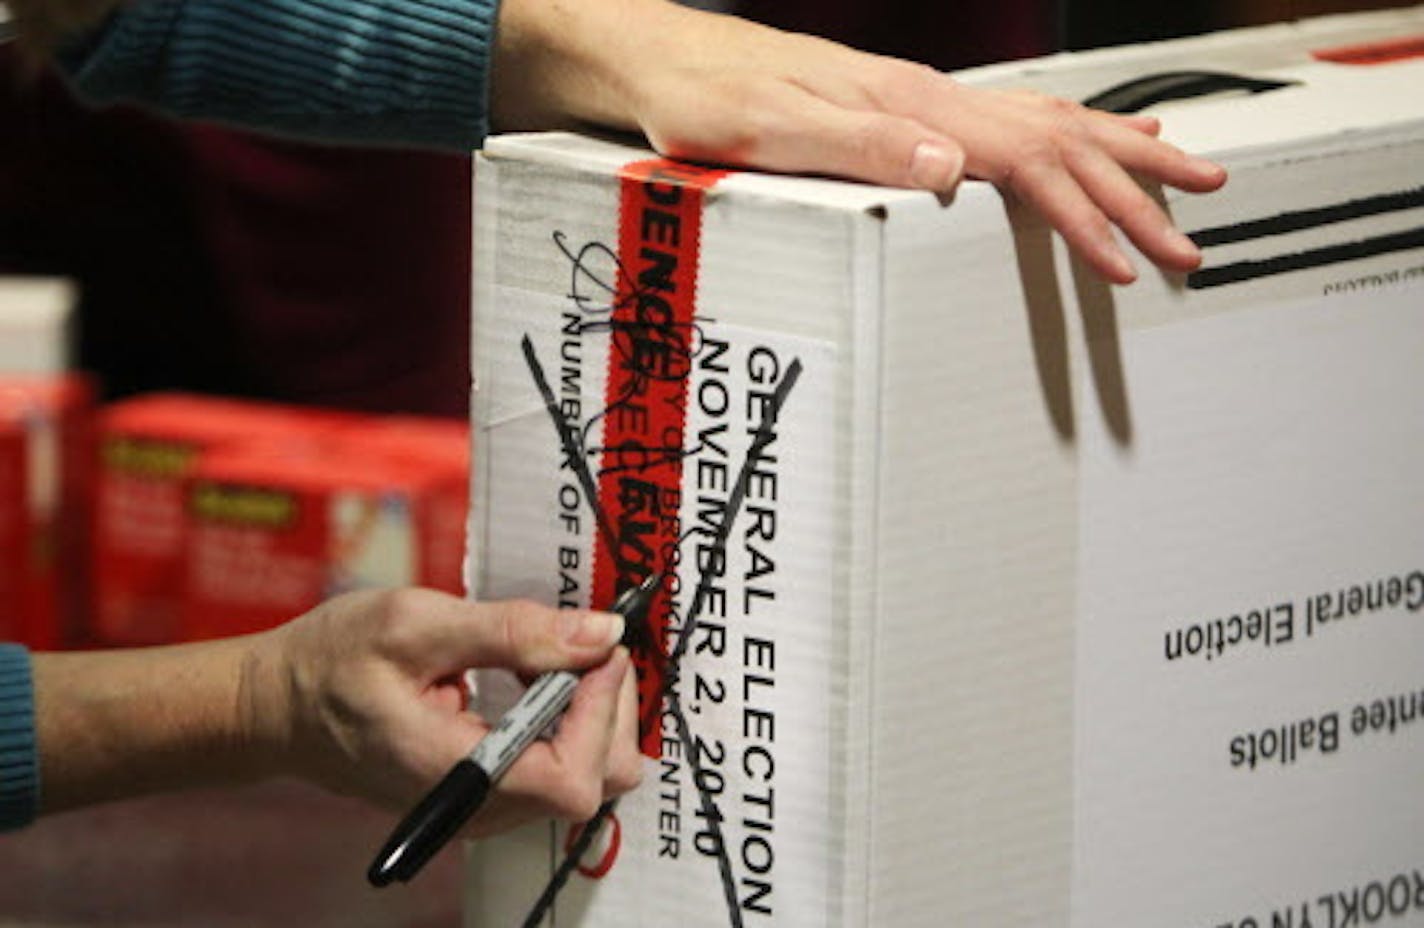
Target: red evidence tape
<point>650,358</point>
<point>1383,52</point>
<point>608,857</point>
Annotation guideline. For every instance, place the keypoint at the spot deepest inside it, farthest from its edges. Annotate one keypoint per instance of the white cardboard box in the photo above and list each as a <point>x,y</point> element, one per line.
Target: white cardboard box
<point>1071,605</point>
<point>1260,49</point>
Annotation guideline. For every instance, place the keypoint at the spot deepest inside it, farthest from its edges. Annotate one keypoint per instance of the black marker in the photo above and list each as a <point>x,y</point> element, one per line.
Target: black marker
<point>447,807</point>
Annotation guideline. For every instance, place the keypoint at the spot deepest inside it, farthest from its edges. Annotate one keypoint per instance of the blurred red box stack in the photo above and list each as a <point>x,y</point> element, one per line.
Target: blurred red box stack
<point>273,530</point>
<point>148,446</point>
<point>441,447</point>
<point>45,459</point>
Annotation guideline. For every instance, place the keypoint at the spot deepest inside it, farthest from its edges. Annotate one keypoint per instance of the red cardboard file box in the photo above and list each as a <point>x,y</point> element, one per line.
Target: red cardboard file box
<point>44,483</point>
<point>148,447</point>
<point>273,532</point>
<point>442,447</point>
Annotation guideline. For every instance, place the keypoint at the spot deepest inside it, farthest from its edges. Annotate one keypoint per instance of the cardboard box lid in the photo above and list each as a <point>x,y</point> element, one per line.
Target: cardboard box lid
<point>606,155</point>
<point>201,419</point>
<point>1266,48</point>
<point>1329,98</point>
<point>421,440</point>
<point>21,396</point>
<point>1323,101</point>
<point>320,465</point>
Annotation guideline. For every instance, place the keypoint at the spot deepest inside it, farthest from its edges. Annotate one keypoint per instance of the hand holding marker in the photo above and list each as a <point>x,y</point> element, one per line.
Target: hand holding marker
<point>447,807</point>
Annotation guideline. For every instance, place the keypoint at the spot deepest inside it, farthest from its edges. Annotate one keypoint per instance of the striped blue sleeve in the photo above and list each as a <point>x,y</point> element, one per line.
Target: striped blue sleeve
<point>395,72</point>
<point>19,759</point>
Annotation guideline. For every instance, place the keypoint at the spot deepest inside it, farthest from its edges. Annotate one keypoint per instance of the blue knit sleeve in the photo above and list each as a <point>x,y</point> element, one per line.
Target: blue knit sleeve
<point>399,72</point>
<point>19,761</point>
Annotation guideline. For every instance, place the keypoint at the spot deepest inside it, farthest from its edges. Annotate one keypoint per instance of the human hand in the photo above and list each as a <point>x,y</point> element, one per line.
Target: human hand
<point>707,87</point>
<point>363,696</point>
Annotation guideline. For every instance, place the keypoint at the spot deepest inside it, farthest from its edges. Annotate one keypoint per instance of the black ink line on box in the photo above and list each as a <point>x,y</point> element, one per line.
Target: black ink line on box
<point>1298,220</point>
<point>569,440</point>
<point>1241,271</point>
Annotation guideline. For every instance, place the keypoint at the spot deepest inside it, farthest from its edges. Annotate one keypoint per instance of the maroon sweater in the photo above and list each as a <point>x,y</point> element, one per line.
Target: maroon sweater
<point>218,261</point>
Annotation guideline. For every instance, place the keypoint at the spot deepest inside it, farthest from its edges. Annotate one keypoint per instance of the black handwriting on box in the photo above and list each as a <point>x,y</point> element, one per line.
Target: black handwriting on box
<point>670,704</point>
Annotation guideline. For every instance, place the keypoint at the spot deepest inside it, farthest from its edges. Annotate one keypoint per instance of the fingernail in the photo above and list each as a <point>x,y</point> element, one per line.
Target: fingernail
<point>591,629</point>
<point>1121,265</point>
<point>934,167</point>
<point>1205,166</point>
<point>1181,244</point>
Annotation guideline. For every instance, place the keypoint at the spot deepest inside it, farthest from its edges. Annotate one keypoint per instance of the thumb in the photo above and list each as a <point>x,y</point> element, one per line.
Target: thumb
<point>451,634</point>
